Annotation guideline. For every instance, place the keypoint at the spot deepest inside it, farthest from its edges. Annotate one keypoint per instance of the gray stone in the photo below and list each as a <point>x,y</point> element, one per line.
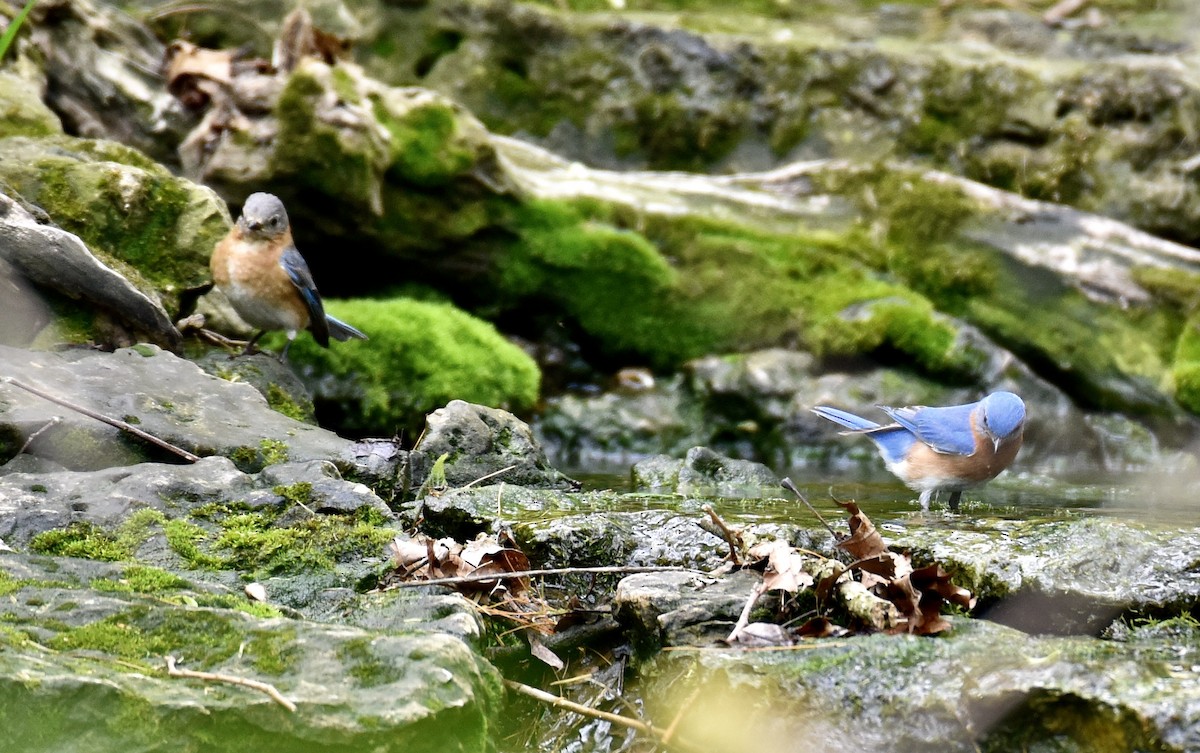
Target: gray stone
<point>162,394</point>
<point>354,689</point>
<point>704,472</point>
<point>982,687</point>
<point>31,503</point>
<point>488,442</point>
<point>51,258</point>
<point>681,609</point>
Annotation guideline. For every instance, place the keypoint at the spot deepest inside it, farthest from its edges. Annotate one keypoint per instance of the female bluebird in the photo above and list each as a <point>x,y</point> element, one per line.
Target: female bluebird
<point>952,448</point>
<point>266,279</point>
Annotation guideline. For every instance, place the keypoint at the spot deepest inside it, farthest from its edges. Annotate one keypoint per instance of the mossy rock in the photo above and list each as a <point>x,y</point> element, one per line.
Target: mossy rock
<point>419,357</point>
<point>727,287</point>
<point>156,229</point>
<point>22,112</point>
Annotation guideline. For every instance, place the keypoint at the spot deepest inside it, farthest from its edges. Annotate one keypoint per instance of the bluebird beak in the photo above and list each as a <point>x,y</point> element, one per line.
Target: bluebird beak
<point>996,443</point>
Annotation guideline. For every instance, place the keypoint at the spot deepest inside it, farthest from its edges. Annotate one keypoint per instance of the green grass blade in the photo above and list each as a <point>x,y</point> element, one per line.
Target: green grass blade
<point>13,27</point>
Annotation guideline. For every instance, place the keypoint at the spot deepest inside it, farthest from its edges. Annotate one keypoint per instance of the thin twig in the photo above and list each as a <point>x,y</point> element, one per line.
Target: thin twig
<point>579,708</point>
<point>731,537</point>
<point>669,732</point>
<point>759,589</point>
<point>106,419</point>
<point>493,474</point>
<point>54,421</point>
<point>263,687</point>
<point>475,578</point>
<point>787,484</point>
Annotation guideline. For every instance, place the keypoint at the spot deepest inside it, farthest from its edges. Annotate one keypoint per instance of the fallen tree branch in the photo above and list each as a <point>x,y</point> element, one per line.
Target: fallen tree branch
<point>476,578</point>
<point>787,484</point>
<point>262,687</point>
<point>578,708</point>
<point>732,537</point>
<point>759,589</point>
<point>130,428</point>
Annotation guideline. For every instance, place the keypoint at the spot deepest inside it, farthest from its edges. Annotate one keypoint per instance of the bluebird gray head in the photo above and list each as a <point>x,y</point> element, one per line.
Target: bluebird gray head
<point>263,216</point>
<point>1003,416</point>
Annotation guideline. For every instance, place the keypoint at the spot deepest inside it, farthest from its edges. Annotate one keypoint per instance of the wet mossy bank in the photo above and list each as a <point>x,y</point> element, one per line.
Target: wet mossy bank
<point>861,267</point>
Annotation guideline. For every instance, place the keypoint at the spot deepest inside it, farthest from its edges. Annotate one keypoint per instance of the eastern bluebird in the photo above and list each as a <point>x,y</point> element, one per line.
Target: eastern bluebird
<point>266,279</point>
<point>952,448</point>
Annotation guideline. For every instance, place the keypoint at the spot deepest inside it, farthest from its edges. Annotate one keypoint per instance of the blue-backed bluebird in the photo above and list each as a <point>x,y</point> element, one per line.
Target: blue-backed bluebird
<point>951,449</point>
<point>266,279</point>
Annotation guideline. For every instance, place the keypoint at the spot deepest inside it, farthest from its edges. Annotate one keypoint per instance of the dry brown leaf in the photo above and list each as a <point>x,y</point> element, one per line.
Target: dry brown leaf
<point>932,578</point>
<point>785,566</point>
<point>195,75</point>
<point>407,552</point>
<point>821,627</point>
<point>762,634</point>
<point>864,540</point>
<point>539,651</point>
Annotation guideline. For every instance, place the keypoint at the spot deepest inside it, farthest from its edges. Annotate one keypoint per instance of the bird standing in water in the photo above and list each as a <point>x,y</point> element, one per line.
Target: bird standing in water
<point>266,279</point>
<point>943,449</point>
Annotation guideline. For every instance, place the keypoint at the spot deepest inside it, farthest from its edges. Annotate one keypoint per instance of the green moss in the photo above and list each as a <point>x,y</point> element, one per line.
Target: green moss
<point>282,402</point>
<point>185,539</point>
<point>203,637</point>
<point>420,356</point>
<point>22,112</point>
<point>425,146</point>
<point>1177,287</point>
<point>273,451</point>
<point>141,579</point>
<point>254,459</point>
<point>155,228</point>
<point>80,539</point>
<point>9,584</point>
<point>310,153</point>
<point>272,652</point>
<point>365,666</point>
<point>297,494</point>
<point>83,539</point>
<point>253,542</point>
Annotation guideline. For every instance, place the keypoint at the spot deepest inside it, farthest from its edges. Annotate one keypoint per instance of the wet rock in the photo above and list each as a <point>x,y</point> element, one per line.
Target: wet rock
<point>32,503</point>
<point>345,681</point>
<point>464,512</point>
<point>102,76</point>
<point>984,686</point>
<point>1066,576</point>
<point>158,229</point>
<point>680,609</point>
<point>38,258</point>
<point>704,472</point>
<point>619,426</point>
<point>487,442</point>
<point>158,392</point>
<point>22,111</point>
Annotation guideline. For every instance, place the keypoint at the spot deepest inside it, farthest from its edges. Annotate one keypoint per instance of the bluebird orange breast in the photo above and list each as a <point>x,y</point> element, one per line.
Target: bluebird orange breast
<point>249,274</point>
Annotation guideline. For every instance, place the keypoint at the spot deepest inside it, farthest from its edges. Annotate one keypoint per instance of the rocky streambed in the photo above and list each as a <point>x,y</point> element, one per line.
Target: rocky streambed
<point>1082,632</point>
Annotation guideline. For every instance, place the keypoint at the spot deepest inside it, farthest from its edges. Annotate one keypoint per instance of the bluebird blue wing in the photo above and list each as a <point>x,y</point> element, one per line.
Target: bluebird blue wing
<point>946,430</point>
<point>297,270</point>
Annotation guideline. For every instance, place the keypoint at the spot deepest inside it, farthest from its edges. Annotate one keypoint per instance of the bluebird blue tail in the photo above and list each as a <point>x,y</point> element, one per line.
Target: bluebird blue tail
<point>947,448</point>
<point>341,331</point>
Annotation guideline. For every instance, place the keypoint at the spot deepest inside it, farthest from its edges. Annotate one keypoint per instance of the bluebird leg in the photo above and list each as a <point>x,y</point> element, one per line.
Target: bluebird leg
<point>283,354</point>
<point>250,345</point>
<point>954,500</point>
<point>924,498</point>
